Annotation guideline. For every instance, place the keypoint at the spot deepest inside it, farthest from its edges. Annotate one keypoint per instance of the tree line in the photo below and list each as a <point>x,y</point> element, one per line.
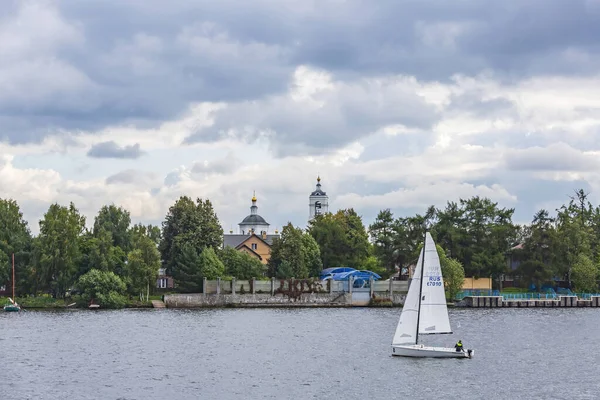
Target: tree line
<point>560,249</point>
<point>115,259</point>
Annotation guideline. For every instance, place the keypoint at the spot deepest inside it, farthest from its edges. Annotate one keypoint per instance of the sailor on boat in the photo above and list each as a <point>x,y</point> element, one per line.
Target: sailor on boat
<point>458,346</point>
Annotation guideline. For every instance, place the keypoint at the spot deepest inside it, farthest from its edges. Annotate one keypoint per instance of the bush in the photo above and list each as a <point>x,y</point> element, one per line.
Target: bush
<point>104,288</point>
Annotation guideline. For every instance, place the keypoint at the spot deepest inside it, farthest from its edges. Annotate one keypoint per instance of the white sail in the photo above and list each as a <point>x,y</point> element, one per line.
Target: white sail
<point>406,331</point>
<point>433,314</point>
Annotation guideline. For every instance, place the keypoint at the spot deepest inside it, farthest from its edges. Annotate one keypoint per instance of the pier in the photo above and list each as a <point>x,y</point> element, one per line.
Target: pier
<point>501,302</point>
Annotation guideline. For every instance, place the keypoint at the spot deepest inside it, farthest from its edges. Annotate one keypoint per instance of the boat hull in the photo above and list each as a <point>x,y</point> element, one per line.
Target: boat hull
<point>418,350</point>
<point>12,308</point>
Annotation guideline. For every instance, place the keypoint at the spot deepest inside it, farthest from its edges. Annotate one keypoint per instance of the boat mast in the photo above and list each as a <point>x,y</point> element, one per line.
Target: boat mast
<point>420,288</point>
<point>13,279</point>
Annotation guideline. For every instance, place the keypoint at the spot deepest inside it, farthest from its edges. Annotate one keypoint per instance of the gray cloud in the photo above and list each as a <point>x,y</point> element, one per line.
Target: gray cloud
<point>87,66</point>
<point>347,113</point>
<point>556,157</point>
<point>113,150</point>
<point>225,165</point>
<point>130,176</point>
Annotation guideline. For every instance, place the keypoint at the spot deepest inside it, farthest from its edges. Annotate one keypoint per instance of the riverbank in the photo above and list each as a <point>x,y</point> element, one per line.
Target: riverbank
<point>50,303</point>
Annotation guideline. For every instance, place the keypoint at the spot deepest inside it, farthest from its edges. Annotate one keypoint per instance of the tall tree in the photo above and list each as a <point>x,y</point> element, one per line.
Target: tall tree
<point>538,255</point>
<point>114,220</point>
<point>382,235</point>
<point>585,274</point>
<point>193,223</point>
<point>342,238</point>
<point>152,231</point>
<point>60,232</point>
<point>575,234</point>
<point>312,255</point>
<point>99,252</point>
<point>143,263</point>
<point>188,274</point>
<point>287,254</point>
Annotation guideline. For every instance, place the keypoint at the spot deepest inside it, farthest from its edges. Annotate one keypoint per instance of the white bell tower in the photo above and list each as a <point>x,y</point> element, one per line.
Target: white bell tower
<point>318,202</point>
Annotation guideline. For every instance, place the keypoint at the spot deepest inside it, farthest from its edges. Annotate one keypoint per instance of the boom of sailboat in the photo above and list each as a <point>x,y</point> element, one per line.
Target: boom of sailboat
<point>425,311</point>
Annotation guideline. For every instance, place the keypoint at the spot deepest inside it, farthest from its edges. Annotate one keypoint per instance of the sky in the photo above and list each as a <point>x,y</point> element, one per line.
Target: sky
<point>396,104</point>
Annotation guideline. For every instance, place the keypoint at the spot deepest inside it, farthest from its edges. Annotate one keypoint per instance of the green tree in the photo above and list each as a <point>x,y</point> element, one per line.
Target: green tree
<point>342,238</point>
<point>103,288</point>
<point>192,267</point>
<point>585,274</point>
<point>575,234</point>
<point>312,255</point>
<point>193,223</point>
<point>59,238</point>
<point>373,264</point>
<point>453,273</point>
<point>241,265</point>
<point>211,267</point>
<point>382,234</point>
<point>143,263</point>
<point>115,221</point>
<point>534,272</point>
<point>153,232</point>
<point>99,252</point>
<point>188,274</point>
<point>287,255</point>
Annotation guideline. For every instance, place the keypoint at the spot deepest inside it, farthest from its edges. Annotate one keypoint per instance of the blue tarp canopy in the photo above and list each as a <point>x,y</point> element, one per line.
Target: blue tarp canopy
<point>330,271</point>
<point>347,273</point>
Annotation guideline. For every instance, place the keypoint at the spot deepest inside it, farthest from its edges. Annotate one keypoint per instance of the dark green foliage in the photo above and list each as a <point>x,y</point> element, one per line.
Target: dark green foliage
<point>113,222</point>
<point>188,275</point>
<point>103,288</point>
<point>293,255</point>
<point>192,223</point>
<point>241,265</point>
<point>59,240</point>
<point>342,239</point>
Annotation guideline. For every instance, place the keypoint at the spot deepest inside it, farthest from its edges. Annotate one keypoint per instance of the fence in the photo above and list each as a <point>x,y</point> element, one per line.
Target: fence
<point>292,285</point>
<point>550,295</point>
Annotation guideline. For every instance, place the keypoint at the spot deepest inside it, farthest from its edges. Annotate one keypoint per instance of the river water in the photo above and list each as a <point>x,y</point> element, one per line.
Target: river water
<point>293,354</point>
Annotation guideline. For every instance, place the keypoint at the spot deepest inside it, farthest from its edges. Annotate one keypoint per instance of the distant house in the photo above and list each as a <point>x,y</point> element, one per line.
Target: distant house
<point>257,246</point>
<point>164,281</point>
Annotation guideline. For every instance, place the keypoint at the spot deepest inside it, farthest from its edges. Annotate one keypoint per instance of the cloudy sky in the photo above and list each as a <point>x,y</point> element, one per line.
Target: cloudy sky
<point>397,104</point>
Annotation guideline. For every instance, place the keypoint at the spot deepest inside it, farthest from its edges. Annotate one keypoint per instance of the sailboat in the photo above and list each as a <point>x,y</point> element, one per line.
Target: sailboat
<point>425,311</point>
<point>12,306</point>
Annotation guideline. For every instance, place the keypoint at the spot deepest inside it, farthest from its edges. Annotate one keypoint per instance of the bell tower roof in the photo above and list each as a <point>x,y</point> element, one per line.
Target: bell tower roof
<point>318,191</point>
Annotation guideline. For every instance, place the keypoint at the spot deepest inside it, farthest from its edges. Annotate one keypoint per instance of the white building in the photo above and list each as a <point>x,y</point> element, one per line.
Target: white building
<point>318,202</point>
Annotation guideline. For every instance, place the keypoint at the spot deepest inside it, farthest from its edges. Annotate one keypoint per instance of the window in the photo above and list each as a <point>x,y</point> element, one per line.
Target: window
<point>162,283</point>
<point>254,246</point>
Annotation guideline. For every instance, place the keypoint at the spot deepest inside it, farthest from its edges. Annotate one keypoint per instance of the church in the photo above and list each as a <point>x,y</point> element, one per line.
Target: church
<point>253,235</point>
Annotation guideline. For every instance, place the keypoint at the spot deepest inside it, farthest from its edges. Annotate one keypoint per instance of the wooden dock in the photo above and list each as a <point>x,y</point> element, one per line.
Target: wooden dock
<point>158,304</point>
<point>500,302</point>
